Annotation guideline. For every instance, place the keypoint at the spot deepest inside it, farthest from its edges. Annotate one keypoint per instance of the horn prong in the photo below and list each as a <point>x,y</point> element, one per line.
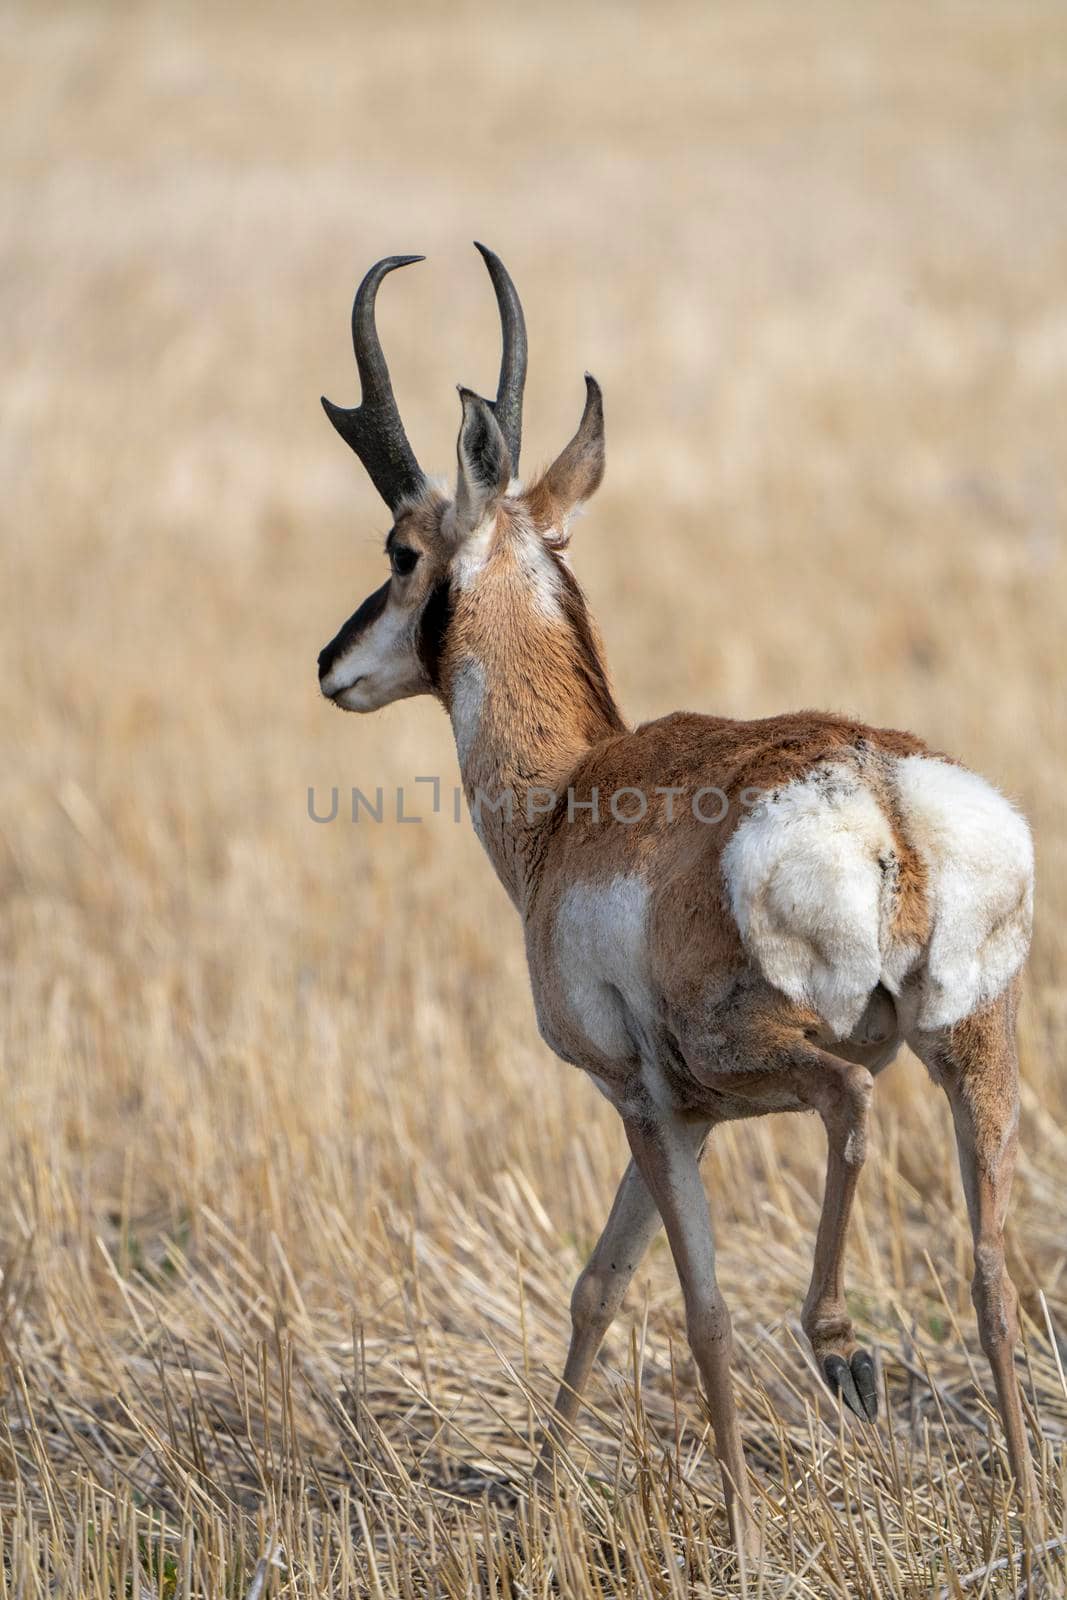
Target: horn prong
<point>373,429</point>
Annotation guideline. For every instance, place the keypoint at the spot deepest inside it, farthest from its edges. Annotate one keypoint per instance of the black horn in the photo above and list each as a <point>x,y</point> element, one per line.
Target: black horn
<point>507,407</point>
<point>373,428</point>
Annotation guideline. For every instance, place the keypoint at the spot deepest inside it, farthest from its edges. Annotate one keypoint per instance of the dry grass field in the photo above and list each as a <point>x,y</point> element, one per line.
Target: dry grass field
<point>291,1194</point>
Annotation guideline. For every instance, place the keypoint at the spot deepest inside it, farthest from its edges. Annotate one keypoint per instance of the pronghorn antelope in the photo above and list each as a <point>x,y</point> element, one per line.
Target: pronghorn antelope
<point>722,918</point>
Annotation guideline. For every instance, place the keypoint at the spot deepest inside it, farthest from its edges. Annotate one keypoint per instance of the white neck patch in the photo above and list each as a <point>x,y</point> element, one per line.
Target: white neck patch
<point>538,576</point>
<point>472,554</point>
<point>541,577</point>
<point>468,698</point>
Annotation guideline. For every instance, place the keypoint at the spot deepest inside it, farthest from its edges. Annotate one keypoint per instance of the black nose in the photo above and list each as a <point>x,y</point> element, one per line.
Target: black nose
<point>325,661</point>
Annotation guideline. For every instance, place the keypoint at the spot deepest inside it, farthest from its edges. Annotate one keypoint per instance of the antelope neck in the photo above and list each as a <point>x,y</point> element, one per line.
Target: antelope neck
<point>528,697</point>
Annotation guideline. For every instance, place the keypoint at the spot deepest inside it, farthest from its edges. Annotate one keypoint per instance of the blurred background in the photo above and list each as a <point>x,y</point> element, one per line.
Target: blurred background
<point>272,1092</point>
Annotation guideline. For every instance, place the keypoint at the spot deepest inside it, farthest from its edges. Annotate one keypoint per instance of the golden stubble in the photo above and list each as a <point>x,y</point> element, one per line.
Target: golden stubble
<point>293,1196</point>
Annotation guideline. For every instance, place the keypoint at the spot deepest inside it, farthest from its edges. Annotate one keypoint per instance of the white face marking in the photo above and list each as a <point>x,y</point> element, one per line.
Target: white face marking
<point>805,886</point>
<point>602,954</point>
<point>380,667</point>
<point>979,859</point>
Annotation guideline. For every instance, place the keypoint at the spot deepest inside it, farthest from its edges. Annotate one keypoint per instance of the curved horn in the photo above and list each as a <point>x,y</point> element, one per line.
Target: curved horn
<point>507,407</point>
<point>373,428</point>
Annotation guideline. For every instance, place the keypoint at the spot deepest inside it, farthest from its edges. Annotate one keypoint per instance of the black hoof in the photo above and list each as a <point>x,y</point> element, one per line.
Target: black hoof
<point>854,1383</point>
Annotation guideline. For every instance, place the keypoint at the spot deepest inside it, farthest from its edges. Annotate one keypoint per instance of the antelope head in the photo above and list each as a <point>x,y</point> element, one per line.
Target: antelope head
<point>440,548</point>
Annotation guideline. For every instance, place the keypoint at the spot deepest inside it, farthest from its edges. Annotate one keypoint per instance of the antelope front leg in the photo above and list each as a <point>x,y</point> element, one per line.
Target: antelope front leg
<point>665,1155</point>
<point>598,1294</point>
<point>841,1093</point>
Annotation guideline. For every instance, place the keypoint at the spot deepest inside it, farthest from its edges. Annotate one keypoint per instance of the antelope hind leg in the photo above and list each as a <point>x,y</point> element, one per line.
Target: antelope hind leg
<point>975,1062</point>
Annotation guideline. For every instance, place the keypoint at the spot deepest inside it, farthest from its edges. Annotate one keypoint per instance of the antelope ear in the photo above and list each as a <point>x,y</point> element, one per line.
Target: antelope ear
<point>484,463</point>
<point>577,471</point>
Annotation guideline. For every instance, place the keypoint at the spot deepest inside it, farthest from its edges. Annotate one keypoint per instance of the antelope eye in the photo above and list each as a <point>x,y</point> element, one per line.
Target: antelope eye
<point>404,559</point>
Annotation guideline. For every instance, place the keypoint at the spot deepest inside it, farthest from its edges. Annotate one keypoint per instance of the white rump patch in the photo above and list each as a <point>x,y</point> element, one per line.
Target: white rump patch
<point>980,860</point>
<point>602,951</point>
<point>806,889</point>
